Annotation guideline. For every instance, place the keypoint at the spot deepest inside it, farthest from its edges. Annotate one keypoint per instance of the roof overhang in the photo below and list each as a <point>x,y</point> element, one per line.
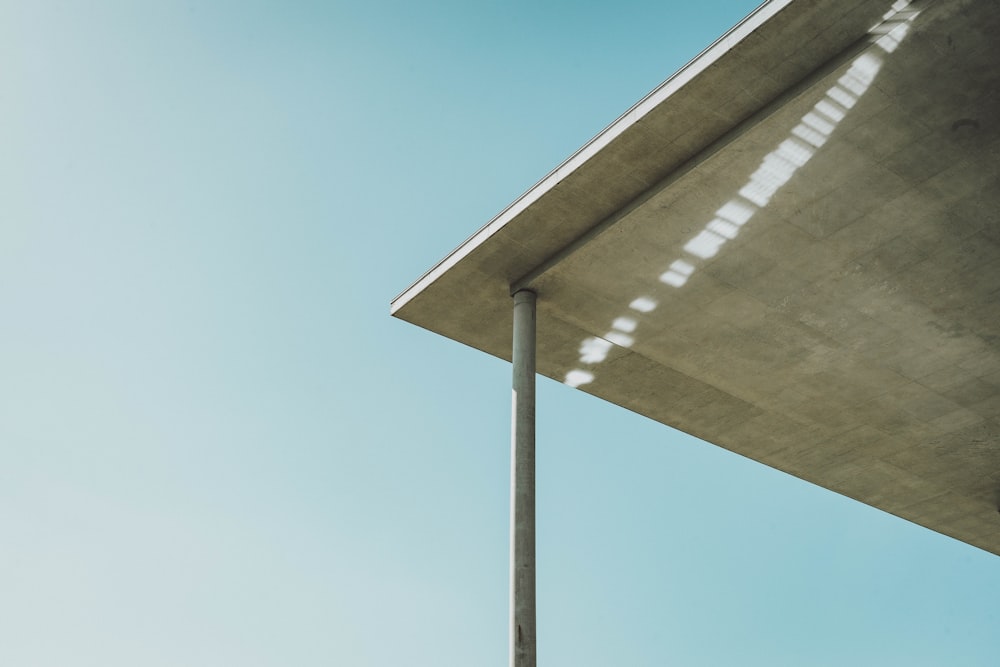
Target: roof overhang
<point>790,249</point>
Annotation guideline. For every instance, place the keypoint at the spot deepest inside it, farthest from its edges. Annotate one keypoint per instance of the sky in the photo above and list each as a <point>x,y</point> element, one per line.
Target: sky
<point>217,448</point>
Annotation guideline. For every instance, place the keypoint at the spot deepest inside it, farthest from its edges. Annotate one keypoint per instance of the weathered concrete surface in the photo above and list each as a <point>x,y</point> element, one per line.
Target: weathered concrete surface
<point>849,331</point>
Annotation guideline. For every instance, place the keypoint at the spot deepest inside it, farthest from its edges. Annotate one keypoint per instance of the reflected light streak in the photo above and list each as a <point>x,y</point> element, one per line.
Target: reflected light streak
<point>723,228</point>
<point>809,135</point>
<point>735,212</point>
<point>625,324</point>
<point>775,170</point>
<point>643,304</point>
<point>705,245</point>
<point>594,350</point>
<point>673,279</point>
<point>793,151</point>
<point>853,84</point>
<point>842,97</point>
<point>620,339</point>
<point>816,122</point>
<point>830,111</point>
<point>865,67</point>
<point>891,40</point>
<point>577,377</point>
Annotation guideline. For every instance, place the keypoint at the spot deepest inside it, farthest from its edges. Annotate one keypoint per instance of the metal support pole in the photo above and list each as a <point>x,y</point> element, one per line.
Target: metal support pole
<point>522,483</point>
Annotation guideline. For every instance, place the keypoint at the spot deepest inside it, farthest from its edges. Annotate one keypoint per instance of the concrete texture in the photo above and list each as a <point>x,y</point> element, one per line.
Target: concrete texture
<point>791,249</point>
<point>523,644</point>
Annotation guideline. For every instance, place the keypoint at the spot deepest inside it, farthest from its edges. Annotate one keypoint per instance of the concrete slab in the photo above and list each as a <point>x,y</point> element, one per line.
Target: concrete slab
<point>791,249</point>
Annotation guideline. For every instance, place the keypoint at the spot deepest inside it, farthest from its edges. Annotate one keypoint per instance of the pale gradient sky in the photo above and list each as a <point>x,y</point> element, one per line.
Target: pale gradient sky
<point>216,448</point>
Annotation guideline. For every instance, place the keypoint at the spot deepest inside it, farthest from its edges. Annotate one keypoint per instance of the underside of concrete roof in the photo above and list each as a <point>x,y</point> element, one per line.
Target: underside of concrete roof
<point>790,249</point>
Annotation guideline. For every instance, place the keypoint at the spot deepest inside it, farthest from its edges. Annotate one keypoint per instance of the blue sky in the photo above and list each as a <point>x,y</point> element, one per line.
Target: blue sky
<point>216,447</point>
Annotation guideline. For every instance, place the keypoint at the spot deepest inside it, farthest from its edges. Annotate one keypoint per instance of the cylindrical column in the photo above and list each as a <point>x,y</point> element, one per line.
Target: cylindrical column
<point>522,483</point>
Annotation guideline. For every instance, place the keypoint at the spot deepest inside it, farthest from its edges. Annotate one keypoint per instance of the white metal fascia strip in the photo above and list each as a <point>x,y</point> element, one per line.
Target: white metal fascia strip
<point>688,72</point>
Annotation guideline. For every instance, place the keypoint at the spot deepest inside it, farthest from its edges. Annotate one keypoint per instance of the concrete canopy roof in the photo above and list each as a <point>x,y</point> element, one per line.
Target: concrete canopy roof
<point>790,249</point>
